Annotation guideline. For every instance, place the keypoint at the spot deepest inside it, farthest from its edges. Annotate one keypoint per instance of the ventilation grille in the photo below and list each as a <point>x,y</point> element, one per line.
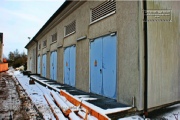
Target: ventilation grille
<point>71,28</point>
<point>44,43</point>
<point>103,10</point>
<point>54,37</point>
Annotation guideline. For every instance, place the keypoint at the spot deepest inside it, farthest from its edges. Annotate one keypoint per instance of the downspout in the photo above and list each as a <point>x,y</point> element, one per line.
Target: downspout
<point>36,53</point>
<point>145,59</point>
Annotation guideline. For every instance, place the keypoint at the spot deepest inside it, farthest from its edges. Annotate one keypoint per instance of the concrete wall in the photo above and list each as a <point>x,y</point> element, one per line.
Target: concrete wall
<point>31,62</point>
<point>128,53</point>
<point>164,57</point>
<point>60,70</point>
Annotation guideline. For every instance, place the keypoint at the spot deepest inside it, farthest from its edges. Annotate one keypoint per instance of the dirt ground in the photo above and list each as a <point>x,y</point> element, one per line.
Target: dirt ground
<point>14,102</point>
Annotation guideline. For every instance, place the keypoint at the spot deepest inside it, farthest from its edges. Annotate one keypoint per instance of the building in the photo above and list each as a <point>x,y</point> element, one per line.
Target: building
<point>3,62</point>
<point>123,50</point>
<point>1,47</point>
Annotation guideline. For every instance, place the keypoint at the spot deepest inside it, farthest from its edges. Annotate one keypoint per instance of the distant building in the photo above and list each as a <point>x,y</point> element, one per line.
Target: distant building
<point>1,47</point>
<point>114,49</point>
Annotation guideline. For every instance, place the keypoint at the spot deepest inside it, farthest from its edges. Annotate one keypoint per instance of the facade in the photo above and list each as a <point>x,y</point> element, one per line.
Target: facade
<point>31,60</point>
<point>99,47</point>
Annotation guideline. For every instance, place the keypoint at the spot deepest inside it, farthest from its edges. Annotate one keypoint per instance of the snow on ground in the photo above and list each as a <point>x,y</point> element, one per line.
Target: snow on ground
<point>52,86</point>
<point>36,92</point>
<point>84,98</point>
<point>168,113</point>
<point>136,117</point>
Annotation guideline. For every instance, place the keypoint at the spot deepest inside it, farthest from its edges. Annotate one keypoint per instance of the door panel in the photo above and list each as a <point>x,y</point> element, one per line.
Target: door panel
<point>55,65</point>
<point>103,66</point>
<point>69,65</point>
<point>51,65</point>
<point>44,65</point>
<point>72,65</point>
<point>39,64</point>
<point>109,66</point>
<point>96,66</point>
<point>66,66</point>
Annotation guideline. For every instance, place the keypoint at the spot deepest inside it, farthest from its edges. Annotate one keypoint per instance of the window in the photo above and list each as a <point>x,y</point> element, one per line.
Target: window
<point>44,43</point>
<point>71,28</point>
<point>54,37</point>
<point>39,46</point>
<point>103,10</point>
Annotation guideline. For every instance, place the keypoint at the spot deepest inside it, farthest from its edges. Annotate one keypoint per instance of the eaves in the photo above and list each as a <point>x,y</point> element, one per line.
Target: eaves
<point>67,8</point>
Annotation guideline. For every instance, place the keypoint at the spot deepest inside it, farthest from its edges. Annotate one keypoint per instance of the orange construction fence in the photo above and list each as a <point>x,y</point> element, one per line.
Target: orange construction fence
<point>3,67</point>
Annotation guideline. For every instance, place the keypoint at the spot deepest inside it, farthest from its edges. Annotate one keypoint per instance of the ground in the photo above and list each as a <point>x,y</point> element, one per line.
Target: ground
<point>14,102</point>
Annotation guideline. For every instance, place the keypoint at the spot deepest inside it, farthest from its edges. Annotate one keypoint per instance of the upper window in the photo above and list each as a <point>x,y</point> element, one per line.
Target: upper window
<point>54,37</point>
<point>44,43</point>
<point>103,10</point>
<point>71,28</point>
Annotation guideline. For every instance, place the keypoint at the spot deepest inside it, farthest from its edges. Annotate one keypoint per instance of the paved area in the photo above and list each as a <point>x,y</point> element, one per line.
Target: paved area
<point>14,102</point>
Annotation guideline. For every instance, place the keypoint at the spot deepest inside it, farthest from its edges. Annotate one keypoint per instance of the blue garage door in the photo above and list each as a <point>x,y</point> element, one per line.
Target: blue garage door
<point>53,65</point>
<point>44,65</point>
<point>69,65</point>
<point>103,66</point>
<point>39,64</point>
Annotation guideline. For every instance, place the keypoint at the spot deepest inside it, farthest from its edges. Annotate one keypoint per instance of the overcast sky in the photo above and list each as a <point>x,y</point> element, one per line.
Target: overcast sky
<point>20,19</point>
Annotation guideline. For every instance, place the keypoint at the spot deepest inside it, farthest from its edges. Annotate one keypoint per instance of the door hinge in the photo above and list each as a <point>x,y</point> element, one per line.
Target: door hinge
<point>112,34</point>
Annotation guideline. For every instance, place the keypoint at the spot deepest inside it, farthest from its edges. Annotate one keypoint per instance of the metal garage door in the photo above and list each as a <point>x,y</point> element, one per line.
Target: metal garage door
<point>53,65</point>
<point>44,65</point>
<point>39,64</point>
<point>69,65</point>
<point>103,66</point>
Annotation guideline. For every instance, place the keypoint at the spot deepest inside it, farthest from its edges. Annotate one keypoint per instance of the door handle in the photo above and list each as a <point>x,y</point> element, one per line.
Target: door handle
<point>100,70</point>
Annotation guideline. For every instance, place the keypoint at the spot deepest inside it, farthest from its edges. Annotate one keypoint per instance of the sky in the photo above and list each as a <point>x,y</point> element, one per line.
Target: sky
<point>20,19</point>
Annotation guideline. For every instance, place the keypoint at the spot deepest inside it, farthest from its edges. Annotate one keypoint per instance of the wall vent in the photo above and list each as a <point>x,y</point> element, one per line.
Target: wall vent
<point>54,37</point>
<point>71,28</point>
<point>103,10</point>
<point>44,43</point>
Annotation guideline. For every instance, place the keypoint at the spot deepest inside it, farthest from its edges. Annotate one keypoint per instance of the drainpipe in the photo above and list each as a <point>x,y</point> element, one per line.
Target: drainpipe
<point>146,60</point>
<point>36,52</point>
